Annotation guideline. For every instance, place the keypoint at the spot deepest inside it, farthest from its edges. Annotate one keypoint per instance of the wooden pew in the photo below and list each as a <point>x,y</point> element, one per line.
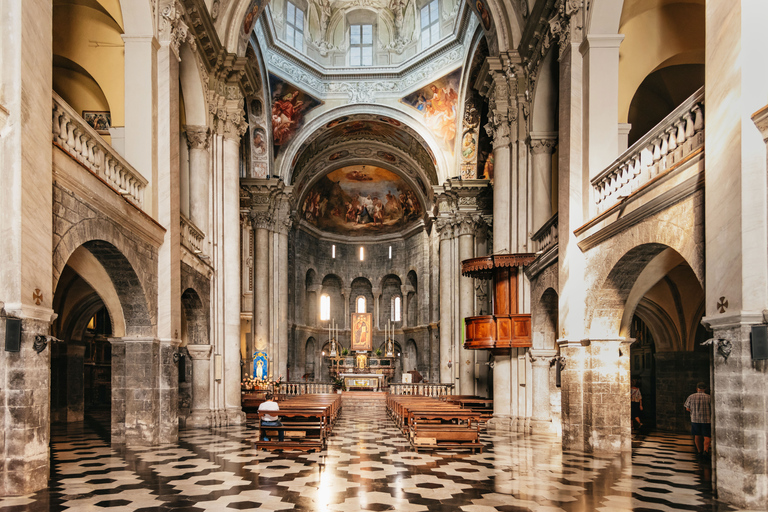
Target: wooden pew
<point>306,420</point>
<point>433,423</point>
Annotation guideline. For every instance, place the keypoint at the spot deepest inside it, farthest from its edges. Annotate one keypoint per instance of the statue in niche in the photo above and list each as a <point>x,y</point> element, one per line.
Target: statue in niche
<point>325,18</point>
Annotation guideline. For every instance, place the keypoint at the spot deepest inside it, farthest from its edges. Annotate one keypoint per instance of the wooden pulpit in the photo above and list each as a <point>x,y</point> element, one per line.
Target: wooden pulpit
<point>506,327</point>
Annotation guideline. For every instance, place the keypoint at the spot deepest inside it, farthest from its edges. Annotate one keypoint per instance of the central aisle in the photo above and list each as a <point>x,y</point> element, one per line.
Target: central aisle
<point>368,466</point>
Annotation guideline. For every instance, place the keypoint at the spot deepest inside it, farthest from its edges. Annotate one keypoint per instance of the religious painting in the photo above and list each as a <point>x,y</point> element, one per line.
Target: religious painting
<point>437,104</point>
<point>361,332</point>
<point>98,120</point>
<point>251,15</point>
<point>361,200</point>
<point>289,107</point>
<point>260,365</point>
<point>485,16</point>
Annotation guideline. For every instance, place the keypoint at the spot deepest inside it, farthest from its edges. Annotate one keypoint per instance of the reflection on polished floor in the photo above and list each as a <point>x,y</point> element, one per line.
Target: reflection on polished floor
<point>368,466</point>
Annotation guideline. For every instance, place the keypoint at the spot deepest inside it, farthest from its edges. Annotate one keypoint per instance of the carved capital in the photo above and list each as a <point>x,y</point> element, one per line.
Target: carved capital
<point>543,146</point>
<point>198,137</point>
<point>261,219</point>
<point>446,228</point>
<point>173,28</point>
<point>467,225</point>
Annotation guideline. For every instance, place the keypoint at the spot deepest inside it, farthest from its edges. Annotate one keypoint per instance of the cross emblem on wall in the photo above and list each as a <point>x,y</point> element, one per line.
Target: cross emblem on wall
<point>722,305</point>
<point>37,296</point>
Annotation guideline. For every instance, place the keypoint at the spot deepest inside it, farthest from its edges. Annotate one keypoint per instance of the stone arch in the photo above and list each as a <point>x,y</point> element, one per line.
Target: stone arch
<point>284,163</point>
<point>310,359</point>
<point>391,286</point>
<point>132,273</point>
<point>361,287</point>
<point>197,317</point>
<point>410,356</point>
<point>505,31</point>
<point>611,304</point>
<point>545,320</point>
<point>544,107</point>
<point>332,285</point>
<point>195,104</point>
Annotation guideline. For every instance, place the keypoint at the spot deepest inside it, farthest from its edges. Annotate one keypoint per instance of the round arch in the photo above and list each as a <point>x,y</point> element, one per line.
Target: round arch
<point>284,163</point>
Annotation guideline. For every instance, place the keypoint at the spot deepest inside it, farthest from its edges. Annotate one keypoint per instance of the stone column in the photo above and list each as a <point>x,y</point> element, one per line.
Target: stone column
<point>404,291</point>
<point>26,190</point>
<point>736,227</point>
<point>284,226</point>
<point>231,257</point>
<point>466,360</point>
<point>601,99</point>
<point>262,221</point>
<point>541,414</point>
<point>346,293</point>
<point>542,147</point>
<point>445,227</point>
<point>200,416</point>
<point>376,307</point>
<point>198,141</point>
<point>141,112</point>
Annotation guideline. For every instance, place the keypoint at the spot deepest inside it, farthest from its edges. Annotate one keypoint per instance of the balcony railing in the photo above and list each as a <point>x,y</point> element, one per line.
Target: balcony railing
<point>191,236</point>
<point>675,138</point>
<point>546,236</point>
<point>72,134</point>
<point>421,389</point>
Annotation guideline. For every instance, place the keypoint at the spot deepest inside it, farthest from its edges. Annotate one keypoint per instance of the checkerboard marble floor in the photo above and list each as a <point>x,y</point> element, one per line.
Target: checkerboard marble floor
<point>368,466</point>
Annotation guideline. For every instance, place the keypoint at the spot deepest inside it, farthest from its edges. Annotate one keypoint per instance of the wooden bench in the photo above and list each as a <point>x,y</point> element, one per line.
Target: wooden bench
<point>307,422</point>
<point>433,423</point>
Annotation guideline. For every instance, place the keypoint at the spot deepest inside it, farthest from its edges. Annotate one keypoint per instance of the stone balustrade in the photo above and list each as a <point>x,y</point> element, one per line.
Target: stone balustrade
<point>304,388</point>
<point>191,236</point>
<point>675,138</point>
<point>421,389</point>
<point>546,237</point>
<point>73,135</point>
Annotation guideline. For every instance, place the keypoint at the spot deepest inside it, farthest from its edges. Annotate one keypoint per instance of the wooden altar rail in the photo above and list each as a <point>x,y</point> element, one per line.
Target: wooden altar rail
<point>304,388</point>
<point>427,389</point>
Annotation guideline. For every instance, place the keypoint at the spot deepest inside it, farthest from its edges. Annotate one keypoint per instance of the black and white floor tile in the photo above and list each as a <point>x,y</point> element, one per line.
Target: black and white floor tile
<point>368,466</point>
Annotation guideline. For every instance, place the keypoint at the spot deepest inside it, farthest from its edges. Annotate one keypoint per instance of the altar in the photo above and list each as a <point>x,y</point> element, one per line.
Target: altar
<point>367,381</point>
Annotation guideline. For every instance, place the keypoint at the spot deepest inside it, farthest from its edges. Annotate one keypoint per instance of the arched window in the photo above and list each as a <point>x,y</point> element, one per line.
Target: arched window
<point>395,308</point>
<point>360,307</point>
<point>325,307</point>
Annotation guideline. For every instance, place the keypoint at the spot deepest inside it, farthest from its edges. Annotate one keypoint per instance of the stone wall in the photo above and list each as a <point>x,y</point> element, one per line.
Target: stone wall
<point>676,376</point>
<point>129,259</point>
<point>309,252</point>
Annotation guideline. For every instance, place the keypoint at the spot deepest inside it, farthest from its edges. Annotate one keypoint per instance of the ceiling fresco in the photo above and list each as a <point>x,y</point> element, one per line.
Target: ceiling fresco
<point>361,200</point>
<point>366,128</point>
<point>437,103</point>
<point>289,108</point>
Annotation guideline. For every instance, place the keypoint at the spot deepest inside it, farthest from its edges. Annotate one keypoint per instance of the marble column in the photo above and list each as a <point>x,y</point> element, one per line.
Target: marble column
<point>231,273</point>
<point>262,221</point>
<point>198,141</point>
<point>502,413</point>
<point>200,415</point>
<point>446,300</point>
<point>541,414</point>
<point>282,261</point>
<point>542,147</point>
<point>466,304</point>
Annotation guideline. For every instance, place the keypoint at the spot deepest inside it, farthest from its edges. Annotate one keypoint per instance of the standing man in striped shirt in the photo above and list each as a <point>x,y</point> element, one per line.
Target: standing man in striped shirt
<point>699,405</point>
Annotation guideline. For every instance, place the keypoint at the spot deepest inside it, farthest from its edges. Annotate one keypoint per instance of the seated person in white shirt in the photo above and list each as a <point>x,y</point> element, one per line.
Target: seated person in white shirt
<point>269,420</point>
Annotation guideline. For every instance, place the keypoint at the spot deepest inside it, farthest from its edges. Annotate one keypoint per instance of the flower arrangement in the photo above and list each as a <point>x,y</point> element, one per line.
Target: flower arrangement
<point>251,382</point>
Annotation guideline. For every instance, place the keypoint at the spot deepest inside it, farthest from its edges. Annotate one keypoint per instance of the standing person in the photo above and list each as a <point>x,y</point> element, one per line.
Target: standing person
<point>699,405</point>
<point>636,398</point>
<point>270,421</point>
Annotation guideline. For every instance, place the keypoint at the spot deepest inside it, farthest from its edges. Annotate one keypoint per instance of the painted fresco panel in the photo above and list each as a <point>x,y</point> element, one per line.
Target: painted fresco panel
<point>289,108</point>
<point>361,200</point>
<point>437,103</point>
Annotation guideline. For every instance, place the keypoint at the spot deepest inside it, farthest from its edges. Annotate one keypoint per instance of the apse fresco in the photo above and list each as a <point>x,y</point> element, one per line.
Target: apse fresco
<point>437,104</point>
<point>361,200</point>
<point>289,107</point>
